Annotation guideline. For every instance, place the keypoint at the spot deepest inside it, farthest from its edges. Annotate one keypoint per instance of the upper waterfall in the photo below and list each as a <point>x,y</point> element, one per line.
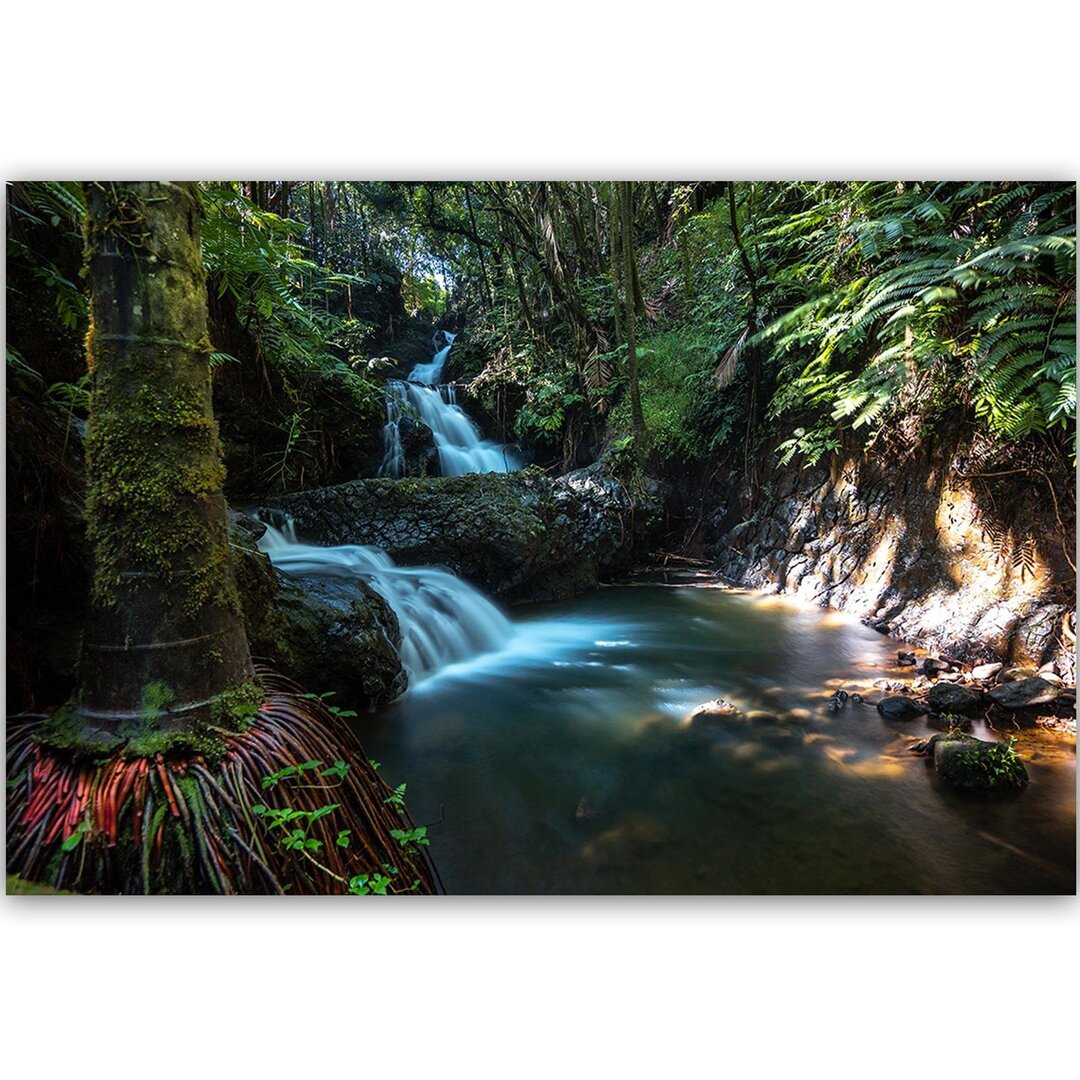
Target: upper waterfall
<point>461,449</point>
<point>431,372</point>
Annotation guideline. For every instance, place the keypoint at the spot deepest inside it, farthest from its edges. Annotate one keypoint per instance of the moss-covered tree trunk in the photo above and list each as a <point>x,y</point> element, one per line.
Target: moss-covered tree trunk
<point>165,649</point>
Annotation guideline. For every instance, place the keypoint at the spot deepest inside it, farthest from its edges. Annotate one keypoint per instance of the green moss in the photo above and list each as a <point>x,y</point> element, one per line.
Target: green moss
<point>231,711</point>
<point>153,470</point>
<point>236,708</point>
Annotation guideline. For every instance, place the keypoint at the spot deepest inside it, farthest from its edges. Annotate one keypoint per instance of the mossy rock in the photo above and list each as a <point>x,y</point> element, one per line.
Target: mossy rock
<point>519,536</point>
<point>327,635</point>
<point>947,697</point>
<point>966,762</point>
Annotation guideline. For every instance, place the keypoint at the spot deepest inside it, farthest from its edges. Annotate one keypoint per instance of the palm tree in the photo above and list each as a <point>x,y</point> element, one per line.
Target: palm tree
<point>153,778</point>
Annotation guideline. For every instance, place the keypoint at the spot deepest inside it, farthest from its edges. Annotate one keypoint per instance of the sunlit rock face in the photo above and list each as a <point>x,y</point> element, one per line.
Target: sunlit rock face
<point>930,554</point>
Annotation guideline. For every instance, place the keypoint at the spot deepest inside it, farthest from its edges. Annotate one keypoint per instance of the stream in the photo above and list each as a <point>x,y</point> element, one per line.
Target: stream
<point>554,752</point>
<point>562,761</point>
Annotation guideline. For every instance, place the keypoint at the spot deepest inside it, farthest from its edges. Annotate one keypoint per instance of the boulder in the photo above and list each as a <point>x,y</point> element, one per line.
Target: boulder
<point>519,536</point>
<point>327,635</point>
<point>899,707</point>
<point>1016,674</point>
<point>1025,694</point>
<point>966,762</point>
<point>945,697</point>
<point>986,671</point>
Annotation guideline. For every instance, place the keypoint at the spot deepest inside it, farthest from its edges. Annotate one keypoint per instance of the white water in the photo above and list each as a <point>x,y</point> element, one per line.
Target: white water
<point>431,372</point>
<point>444,621</point>
<point>461,449</point>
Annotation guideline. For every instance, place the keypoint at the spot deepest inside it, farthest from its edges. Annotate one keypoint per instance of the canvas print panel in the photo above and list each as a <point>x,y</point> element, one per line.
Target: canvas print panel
<point>502,537</point>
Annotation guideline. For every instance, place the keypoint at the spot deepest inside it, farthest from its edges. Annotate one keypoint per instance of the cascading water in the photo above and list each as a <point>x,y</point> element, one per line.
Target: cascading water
<point>461,450</point>
<point>430,373</point>
<point>443,620</point>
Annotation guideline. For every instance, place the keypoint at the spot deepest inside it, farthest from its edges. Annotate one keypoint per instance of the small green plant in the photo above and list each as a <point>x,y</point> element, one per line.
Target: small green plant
<point>396,798</point>
<point>998,765</point>
<point>334,709</point>
<point>295,831</point>
<point>72,842</point>
<point>417,835</point>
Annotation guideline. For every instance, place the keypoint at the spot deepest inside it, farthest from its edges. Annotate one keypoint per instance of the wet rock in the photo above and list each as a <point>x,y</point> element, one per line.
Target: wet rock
<point>521,536</point>
<point>900,708</point>
<point>946,697</point>
<point>966,762</point>
<point>934,665</point>
<point>837,701</point>
<point>327,635</point>
<point>1016,674</point>
<point>889,684</point>
<point>715,707</point>
<point>710,714</point>
<point>1025,694</point>
<point>986,671</point>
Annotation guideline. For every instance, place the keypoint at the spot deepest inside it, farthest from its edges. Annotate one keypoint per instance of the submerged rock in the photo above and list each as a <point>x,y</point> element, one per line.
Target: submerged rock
<point>710,713</point>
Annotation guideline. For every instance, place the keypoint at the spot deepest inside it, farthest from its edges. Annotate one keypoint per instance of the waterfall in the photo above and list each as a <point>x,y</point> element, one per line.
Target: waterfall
<point>431,372</point>
<point>461,449</point>
<point>393,462</point>
<point>443,619</point>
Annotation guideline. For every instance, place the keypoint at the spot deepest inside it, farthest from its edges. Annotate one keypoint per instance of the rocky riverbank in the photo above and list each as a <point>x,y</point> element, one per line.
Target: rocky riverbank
<point>970,564</point>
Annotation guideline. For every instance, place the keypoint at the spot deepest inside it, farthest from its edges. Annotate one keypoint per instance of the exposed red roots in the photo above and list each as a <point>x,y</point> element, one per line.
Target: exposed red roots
<point>181,824</point>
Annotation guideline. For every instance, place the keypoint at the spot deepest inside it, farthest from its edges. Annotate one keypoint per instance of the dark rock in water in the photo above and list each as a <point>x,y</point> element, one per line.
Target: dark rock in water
<point>932,665</point>
<point>418,447</point>
<point>856,699</point>
<point>341,636</point>
<point>900,708</point>
<point>327,635</point>
<point>520,536</point>
<point>948,698</point>
<point>1024,694</point>
<point>905,659</point>
<point>967,762</point>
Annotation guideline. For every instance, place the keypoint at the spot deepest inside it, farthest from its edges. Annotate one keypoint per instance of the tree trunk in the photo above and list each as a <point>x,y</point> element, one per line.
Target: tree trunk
<point>632,289</point>
<point>165,644</point>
